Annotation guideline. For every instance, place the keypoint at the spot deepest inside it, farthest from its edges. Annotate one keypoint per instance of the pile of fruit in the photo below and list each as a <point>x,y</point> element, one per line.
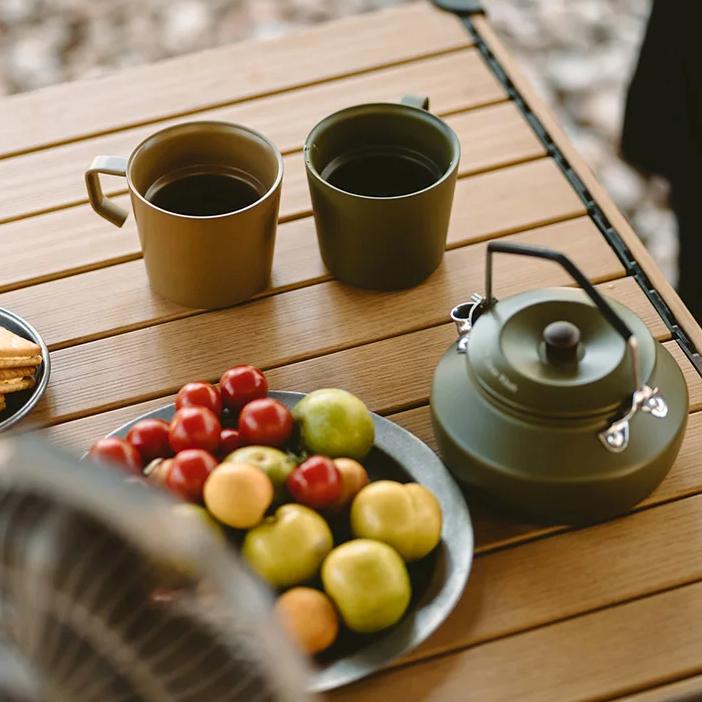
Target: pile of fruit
<point>289,487</point>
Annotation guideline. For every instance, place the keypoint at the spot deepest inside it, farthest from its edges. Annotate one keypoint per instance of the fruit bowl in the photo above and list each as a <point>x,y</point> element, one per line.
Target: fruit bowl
<point>437,580</point>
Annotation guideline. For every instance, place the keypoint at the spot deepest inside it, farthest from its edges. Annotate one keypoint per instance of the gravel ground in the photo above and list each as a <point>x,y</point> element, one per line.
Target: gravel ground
<point>578,53</point>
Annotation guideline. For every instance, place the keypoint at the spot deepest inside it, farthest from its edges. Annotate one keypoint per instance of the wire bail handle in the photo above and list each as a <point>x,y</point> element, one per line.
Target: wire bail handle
<point>615,437</point>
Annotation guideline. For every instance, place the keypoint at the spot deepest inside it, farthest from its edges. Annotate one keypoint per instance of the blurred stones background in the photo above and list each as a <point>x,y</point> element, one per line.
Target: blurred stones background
<point>578,53</point>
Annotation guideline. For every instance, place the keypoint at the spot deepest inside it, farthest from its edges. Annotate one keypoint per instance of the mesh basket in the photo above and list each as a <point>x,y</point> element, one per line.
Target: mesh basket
<point>107,594</point>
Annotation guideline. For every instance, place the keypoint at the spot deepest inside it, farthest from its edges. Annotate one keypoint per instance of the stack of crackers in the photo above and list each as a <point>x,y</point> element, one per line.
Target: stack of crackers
<point>19,359</point>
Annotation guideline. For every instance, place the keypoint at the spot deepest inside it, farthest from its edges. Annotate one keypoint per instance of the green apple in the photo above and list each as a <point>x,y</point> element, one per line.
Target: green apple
<point>405,516</point>
<point>276,464</point>
<point>335,423</point>
<point>369,584</point>
<point>289,547</point>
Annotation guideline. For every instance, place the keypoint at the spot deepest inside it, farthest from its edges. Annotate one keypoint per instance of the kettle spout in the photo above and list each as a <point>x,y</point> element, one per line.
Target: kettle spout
<point>464,317</point>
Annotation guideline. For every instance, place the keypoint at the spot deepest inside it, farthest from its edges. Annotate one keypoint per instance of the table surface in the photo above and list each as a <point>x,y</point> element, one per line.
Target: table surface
<point>549,613</point>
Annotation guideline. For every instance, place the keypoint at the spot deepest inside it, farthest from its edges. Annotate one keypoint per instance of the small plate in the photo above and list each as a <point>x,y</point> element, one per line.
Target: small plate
<point>437,580</point>
<point>20,404</point>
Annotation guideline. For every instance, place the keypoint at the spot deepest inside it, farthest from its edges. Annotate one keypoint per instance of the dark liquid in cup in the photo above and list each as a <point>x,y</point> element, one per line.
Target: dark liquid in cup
<point>382,172</point>
<point>203,194</point>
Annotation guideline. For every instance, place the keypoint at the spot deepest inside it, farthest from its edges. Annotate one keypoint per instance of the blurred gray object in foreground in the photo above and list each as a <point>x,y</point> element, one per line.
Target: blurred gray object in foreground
<point>107,594</point>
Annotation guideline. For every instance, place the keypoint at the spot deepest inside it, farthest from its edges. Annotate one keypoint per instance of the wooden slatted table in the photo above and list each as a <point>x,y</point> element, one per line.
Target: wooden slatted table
<point>550,613</point>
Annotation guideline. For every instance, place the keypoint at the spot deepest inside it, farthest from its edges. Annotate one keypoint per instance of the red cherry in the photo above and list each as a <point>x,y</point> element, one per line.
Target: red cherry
<point>194,427</point>
<point>229,441</point>
<point>117,452</point>
<point>242,384</point>
<point>188,472</point>
<point>316,482</point>
<point>265,422</point>
<point>200,395</point>
<point>150,438</point>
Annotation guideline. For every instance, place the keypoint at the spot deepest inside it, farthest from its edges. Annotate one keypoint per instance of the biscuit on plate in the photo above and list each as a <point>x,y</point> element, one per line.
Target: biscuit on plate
<point>14,346</point>
<point>19,361</point>
<point>10,373</point>
<point>16,384</point>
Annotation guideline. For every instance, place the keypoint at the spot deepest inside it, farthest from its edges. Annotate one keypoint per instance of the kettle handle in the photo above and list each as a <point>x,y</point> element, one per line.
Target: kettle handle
<point>615,437</point>
<point>550,255</point>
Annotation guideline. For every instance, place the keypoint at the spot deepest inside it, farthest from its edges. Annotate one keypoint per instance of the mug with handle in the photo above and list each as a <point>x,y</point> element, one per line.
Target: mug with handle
<point>199,260</point>
<point>382,178</point>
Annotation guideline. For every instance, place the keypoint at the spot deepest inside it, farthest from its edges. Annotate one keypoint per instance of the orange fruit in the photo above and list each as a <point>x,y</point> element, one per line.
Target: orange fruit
<point>238,494</point>
<point>309,617</point>
<point>353,479</point>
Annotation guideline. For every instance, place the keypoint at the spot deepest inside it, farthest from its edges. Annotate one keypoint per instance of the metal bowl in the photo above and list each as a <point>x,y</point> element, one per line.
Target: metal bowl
<point>437,580</point>
<point>20,404</point>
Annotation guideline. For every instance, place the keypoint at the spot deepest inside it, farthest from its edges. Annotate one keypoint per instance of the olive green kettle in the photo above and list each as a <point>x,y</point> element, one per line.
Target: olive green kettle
<point>557,402</point>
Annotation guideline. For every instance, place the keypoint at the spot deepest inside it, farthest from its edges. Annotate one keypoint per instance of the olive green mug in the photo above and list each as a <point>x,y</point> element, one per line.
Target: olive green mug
<point>208,242</point>
<point>381,178</point>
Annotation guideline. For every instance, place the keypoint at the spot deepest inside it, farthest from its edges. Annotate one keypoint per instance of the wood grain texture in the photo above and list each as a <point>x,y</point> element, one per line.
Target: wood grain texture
<point>346,368</point>
<point>641,255</point>
<point>70,240</point>
<point>225,75</point>
<point>692,376</point>
<point>597,656</point>
<point>52,178</point>
<point>687,690</point>
<point>393,384</point>
<point>492,530</point>
<point>62,243</point>
<point>288,327</point>
<point>556,578</point>
<point>118,298</point>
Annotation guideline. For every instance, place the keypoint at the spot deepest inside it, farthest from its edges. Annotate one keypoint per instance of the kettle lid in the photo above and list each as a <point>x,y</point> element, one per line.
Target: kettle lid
<point>550,352</point>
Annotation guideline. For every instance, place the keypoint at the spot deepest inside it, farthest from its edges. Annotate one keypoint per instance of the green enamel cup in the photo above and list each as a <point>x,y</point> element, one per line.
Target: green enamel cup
<point>381,178</point>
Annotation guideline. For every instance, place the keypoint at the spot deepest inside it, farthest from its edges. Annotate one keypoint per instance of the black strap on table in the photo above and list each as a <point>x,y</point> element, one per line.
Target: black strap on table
<point>463,9</point>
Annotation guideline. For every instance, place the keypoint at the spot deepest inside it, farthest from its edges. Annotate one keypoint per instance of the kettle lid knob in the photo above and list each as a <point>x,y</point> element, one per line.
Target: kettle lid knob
<point>562,340</point>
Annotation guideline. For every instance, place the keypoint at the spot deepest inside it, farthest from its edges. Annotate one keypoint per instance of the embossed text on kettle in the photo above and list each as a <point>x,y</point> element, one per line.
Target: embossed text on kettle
<point>504,380</point>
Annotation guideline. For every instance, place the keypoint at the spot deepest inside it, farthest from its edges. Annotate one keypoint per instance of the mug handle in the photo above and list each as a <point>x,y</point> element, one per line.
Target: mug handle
<point>419,101</point>
<point>109,165</point>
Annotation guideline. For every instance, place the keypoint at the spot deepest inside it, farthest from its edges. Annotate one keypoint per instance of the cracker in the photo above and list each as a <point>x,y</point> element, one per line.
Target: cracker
<point>10,373</point>
<point>19,361</point>
<point>16,384</point>
<point>12,345</point>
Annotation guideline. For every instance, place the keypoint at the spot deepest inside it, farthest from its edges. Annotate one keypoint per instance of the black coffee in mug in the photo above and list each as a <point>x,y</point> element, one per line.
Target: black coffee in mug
<point>200,193</point>
<point>381,172</point>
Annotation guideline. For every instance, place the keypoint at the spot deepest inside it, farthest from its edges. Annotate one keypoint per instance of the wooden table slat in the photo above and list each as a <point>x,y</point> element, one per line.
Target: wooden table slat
<point>608,653</point>
<point>117,298</point>
<point>75,239</point>
<point>686,690</point>
<point>394,385</point>
<point>228,74</point>
<point>288,327</point>
<point>556,578</point>
<point>52,178</point>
